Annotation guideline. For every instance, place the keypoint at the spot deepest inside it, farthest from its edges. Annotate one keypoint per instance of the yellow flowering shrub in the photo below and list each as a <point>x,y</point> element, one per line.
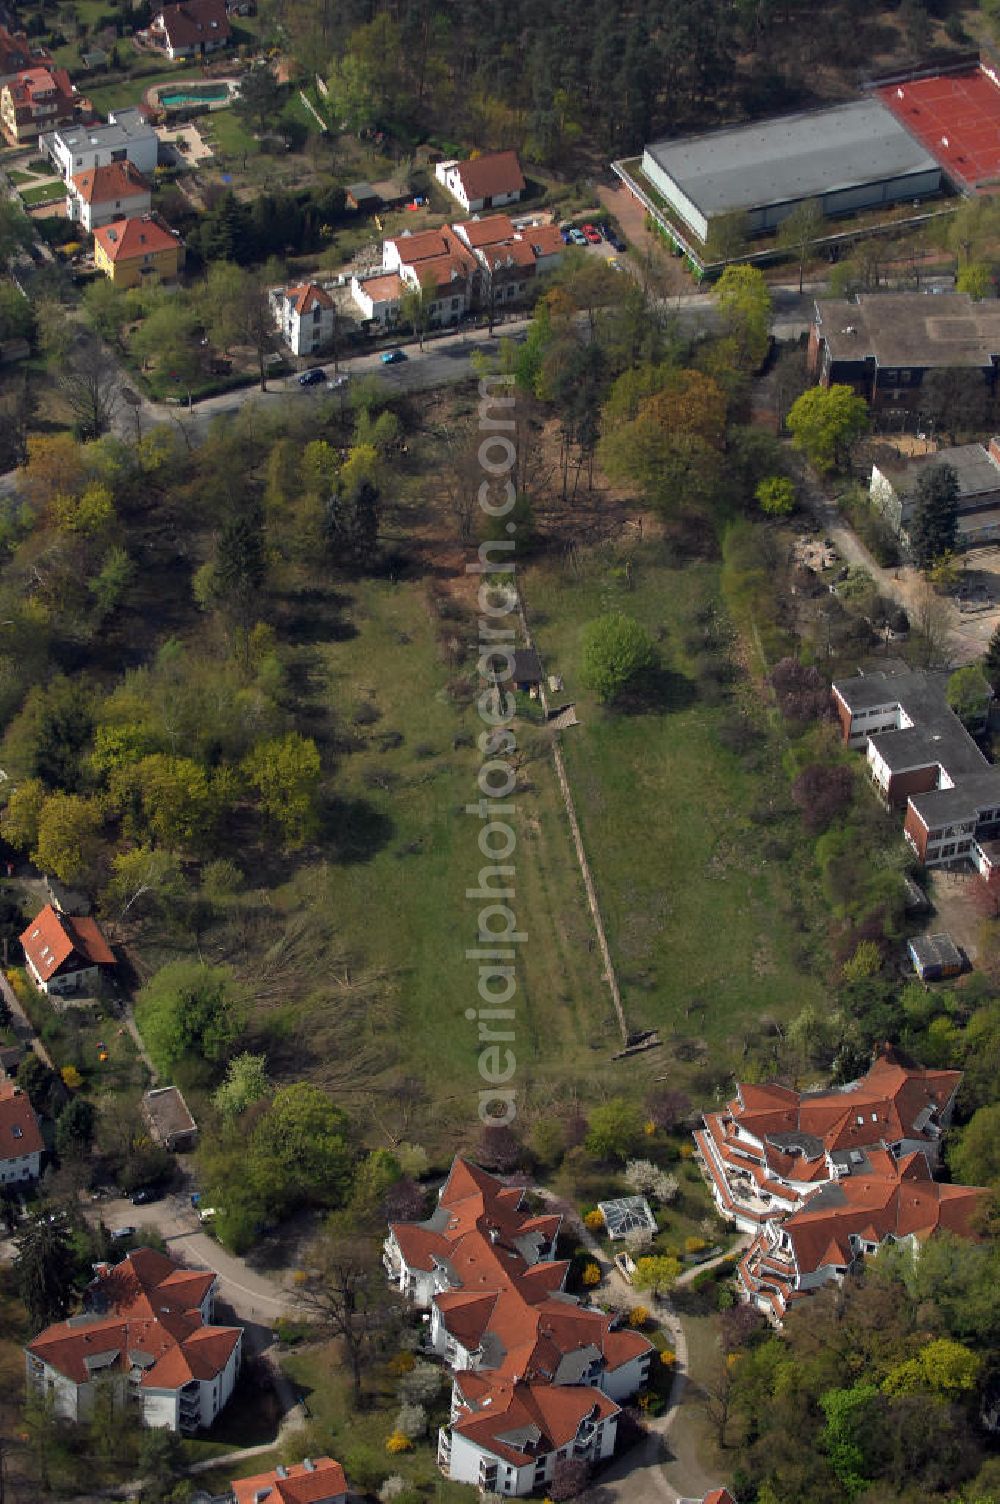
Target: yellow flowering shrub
<point>694,1245</point>
<point>591,1276</point>
<point>71,1077</point>
<point>668,1357</point>
<point>401,1363</point>
<point>397,1442</point>
<point>638,1316</point>
<point>594,1220</point>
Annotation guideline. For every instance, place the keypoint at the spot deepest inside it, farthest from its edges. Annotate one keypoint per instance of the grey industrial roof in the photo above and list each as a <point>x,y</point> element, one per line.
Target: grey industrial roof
<point>796,156</point>
<point>126,125</point>
<point>935,950</point>
<point>911,329</point>
<point>973,465</point>
<point>937,735</point>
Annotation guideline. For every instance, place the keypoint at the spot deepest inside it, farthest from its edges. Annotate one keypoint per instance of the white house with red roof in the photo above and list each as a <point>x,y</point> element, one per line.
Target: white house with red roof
<point>317,1480</point>
<point>888,1201</point>
<point>147,1332</point>
<point>21,1145</point>
<point>485,182</point>
<point>772,1147</point>
<point>101,195</point>
<point>823,1178</point>
<point>507,1436</point>
<point>305,315</point>
<point>64,952</point>
<point>536,1375</point>
<point>190,29</point>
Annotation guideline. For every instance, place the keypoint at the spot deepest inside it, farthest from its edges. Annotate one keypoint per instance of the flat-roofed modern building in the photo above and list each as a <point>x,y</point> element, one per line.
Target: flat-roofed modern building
<point>851,157</point>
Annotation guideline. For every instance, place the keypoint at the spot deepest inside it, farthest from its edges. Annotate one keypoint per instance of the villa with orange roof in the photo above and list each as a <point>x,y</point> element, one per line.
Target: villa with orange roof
<point>101,195</point>
<point>537,1377</point>
<point>64,952</point>
<point>305,314</point>
<point>823,1178</point>
<point>147,1331</point>
<point>35,100</point>
<point>137,251</point>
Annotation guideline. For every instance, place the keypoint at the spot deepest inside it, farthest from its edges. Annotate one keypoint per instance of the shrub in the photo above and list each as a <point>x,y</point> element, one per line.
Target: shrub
<point>638,1317</point>
<point>694,1245</point>
<point>397,1443</point>
<point>71,1077</point>
<point>401,1363</point>
<point>594,1220</point>
<point>411,1422</point>
<point>822,793</point>
<point>591,1275</point>
<point>668,1357</point>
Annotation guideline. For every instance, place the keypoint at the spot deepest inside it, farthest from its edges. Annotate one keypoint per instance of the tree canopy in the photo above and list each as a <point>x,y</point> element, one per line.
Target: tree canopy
<point>191,1011</point>
<point>824,423</point>
<point>618,654</point>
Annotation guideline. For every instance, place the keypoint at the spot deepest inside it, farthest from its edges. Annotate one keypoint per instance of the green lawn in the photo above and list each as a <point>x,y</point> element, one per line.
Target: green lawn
<point>130,88</point>
<point>44,193</point>
<point>703,923</point>
<point>409,853</point>
<point>345,1433</point>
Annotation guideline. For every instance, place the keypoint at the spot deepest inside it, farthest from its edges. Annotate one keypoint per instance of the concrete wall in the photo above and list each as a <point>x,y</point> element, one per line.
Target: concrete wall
<point>664,183</point>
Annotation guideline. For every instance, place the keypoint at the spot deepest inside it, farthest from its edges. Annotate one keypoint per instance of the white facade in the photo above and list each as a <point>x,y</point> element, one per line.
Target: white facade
<point>306,324</point>
<point>91,216</point>
<point>20,1167</point>
<point>419,1286</point>
<point>188,1408</point>
<point>85,979</point>
<point>376,302</point>
<point>449,175</point>
<point>127,136</point>
<point>466,1461</point>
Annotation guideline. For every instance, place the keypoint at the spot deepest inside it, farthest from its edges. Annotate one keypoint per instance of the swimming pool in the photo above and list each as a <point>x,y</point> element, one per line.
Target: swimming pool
<point>209,94</point>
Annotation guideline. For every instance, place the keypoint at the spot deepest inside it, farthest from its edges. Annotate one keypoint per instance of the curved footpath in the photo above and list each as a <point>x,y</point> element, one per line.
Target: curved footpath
<point>663,1468</point>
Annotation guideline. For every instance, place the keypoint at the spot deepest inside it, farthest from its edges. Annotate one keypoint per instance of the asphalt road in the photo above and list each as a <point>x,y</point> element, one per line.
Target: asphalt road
<point>255,1297</point>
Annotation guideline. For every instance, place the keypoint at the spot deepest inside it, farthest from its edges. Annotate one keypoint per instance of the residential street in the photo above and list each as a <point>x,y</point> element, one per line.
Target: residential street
<point>254,1297</point>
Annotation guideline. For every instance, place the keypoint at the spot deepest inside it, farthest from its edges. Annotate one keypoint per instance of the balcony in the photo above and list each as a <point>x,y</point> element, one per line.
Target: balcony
<point>444,1450</point>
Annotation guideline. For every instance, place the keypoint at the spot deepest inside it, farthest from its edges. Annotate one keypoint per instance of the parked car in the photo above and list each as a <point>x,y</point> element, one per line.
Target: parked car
<point>313,376</point>
<point>145,1194</point>
<point>614,239</point>
<point>567,234</point>
<point>391,357</point>
<point>591,235</point>
<point>119,1234</point>
<point>577,237</point>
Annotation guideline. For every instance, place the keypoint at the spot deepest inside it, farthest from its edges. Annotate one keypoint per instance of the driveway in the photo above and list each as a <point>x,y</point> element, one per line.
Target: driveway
<point>253,1296</point>
<point>664,1467</point>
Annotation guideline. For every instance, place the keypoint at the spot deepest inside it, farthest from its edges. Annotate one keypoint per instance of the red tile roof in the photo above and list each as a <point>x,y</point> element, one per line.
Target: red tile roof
<point>313,1481</point>
<point>105,184</point>
<point>489,231</point>
<point>53,939</point>
<point>32,84</point>
<point>387,289</point>
<point>524,1421</point>
<point>494,173</point>
<point>19,1130</point>
<point>308,296</point>
<point>145,1308</point>
<point>193,22</point>
<point>503,1303</point>
<point>141,235</point>
<point>148,1283</point>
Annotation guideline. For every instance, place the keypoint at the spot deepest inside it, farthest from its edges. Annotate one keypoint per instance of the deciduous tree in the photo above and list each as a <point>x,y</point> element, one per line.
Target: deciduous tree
<point>618,654</point>
<point>825,421</point>
<point>286,773</point>
<point>188,1009</point>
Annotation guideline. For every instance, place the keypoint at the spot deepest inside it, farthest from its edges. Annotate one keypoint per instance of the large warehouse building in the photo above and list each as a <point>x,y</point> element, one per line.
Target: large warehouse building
<point>850,158</point>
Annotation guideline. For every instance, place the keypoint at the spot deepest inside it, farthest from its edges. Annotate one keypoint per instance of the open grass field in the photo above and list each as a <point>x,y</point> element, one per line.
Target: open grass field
<point>704,926</point>
<point>408,853</point>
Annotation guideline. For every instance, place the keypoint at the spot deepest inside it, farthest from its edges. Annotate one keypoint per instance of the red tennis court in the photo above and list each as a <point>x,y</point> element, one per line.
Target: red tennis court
<point>957,117</point>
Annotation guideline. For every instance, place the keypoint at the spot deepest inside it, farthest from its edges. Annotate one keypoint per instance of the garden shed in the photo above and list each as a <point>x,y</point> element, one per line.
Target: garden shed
<point>935,957</point>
